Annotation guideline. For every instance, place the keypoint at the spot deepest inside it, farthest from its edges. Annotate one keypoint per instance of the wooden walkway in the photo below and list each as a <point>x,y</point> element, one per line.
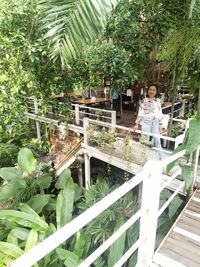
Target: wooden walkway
<point>181,247</point>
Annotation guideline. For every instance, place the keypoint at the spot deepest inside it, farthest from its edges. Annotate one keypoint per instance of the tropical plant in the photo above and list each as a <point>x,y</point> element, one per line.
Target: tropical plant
<point>25,180</point>
<point>72,25</point>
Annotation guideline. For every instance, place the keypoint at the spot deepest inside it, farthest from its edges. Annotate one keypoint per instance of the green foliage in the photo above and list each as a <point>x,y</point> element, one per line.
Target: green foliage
<point>24,182</point>
<point>109,60</point>
<point>25,66</point>
<point>8,154</point>
<point>65,203</point>
<point>75,25</point>
<point>117,249</point>
<point>26,160</point>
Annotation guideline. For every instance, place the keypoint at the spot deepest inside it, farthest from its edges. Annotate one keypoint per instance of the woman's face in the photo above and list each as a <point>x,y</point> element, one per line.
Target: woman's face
<point>152,91</point>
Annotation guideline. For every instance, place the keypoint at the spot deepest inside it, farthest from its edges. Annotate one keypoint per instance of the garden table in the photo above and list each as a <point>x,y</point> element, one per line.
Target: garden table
<point>91,101</point>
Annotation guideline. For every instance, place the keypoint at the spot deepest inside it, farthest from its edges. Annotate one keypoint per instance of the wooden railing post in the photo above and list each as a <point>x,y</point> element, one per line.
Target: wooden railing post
<point>86,156</point>
<point>36,111</point>
<point>150,207</point>
<point>113,118</point>
<point>77,118</point>
<point>182,111</point>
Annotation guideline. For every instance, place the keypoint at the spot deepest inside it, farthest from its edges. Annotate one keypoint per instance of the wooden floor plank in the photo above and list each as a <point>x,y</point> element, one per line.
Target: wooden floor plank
<point>179,257</point>
<point>183,238</point>
<point>183,242</point>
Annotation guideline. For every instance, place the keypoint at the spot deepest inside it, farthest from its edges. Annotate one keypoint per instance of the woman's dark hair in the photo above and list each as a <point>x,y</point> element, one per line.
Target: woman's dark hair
<point>157,92</point>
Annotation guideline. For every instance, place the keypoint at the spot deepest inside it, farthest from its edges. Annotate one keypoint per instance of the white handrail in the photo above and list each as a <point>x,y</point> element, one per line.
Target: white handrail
<point>61,235</point>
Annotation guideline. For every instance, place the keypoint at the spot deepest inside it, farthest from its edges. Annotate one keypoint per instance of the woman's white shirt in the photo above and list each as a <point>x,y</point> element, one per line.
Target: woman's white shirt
<point>149,110</point>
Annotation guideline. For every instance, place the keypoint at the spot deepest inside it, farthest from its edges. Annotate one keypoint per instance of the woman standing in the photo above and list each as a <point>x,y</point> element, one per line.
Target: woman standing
<point>150,116</point>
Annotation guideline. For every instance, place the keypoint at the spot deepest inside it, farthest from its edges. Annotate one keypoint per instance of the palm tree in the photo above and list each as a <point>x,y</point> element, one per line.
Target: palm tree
<point>73,24</point>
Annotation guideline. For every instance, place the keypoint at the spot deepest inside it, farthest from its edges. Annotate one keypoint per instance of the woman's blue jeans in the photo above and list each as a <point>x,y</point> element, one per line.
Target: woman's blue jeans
<point>152,126</point>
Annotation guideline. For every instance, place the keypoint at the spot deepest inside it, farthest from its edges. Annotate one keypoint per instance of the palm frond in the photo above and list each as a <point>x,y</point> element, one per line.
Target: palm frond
<point>71,25</point>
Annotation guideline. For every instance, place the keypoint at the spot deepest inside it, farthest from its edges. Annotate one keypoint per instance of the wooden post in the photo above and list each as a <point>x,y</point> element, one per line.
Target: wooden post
<point>149,207</point>
<point>86,156</point>
<point>37,122</point>
<point>85,126</point>
<point>77,118</point>
<point>182,111</point>
<point>87,171</point>
<point>113,117</point>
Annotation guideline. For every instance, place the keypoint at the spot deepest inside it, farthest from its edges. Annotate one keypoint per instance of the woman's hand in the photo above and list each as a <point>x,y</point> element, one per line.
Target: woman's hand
<point>161,128</point>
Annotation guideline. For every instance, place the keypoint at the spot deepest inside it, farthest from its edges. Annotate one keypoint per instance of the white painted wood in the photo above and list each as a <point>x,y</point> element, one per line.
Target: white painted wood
<point>165,261</point>
<point>77,119</point>
<point>36,110</point>
<point>75,128</point>
<point>89,260</point>
<point>120,163</point>
<point>187,234</point>
<point>66,165</point>
<point>170,199</point>
<point>149,206</point>
<point>87,170</point>
<point>193,214</point>
<point>196,199</point>
<point>182,110</point>
<point>170,179</point>
<point>46,246</point>
<point>113,118</point>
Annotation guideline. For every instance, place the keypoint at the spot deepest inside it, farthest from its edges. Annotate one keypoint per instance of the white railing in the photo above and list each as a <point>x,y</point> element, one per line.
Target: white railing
<point>150,176</point>
<point>148,213</point>
<point>80,112</point>
<point>94,113</point>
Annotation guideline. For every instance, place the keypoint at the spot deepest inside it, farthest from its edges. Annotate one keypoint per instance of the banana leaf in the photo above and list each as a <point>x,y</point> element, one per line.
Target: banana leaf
<point>10,173</point>
<point>79,247</point>
<point>44,181</point>
<point>26,160</point>
<point>62,179</point>
<point>187,173</point>
<point>38,202</point>
<point>65,203</point>
<point>32,240</point>
<point>193,137</point>
<point>10,249</point>
<point>117,248</point>
<point>69,258</point>
<point>24,219</point>
<point>20,233</point>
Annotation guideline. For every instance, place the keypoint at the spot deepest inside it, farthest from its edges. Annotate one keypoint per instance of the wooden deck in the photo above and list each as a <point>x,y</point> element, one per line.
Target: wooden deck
<point>181,247</point>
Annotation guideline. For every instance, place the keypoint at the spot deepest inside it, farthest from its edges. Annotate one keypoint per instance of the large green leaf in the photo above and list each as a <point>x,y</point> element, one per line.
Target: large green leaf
<point>62,179</point>
<point>32,240</point>
<point>38,202</point>
<point>187,173</point>
<point>65,203</point>
<point>174,205</point>
<point>9,174</point>
<point>79,247</point>
<point>26,160</point>
<point>24,219</point>
<point>20,233</point>
<point>44,181</point>
<point>72,259</point>
<point>194,136</point>
<point>8,191</point>
<point>72,25</point>
<point>117,248</point>
<point>10,249</point>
